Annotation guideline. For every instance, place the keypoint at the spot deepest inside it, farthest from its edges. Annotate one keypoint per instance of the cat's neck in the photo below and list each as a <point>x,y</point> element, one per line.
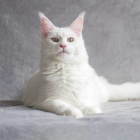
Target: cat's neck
<point>55,63</point>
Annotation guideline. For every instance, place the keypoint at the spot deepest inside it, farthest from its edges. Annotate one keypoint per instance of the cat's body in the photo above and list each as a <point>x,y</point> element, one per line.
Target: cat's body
<point>66,84</point>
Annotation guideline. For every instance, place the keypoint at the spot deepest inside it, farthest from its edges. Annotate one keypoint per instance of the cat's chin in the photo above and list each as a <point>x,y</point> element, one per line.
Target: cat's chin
<point>63,56</point>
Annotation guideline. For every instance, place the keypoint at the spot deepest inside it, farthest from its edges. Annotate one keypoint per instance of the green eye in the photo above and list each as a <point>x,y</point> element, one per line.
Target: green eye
<point>54,39</point>
<point>70,39</point>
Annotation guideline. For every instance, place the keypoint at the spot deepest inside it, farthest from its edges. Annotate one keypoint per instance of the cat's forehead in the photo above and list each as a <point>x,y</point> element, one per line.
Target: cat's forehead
<point>63,32</point>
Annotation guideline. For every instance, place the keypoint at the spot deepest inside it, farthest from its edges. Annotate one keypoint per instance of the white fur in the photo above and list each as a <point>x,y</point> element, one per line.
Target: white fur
<point>66,84</point>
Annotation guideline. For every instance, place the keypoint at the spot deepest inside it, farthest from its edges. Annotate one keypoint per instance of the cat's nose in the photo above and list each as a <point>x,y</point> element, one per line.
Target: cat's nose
<point>63,46</point>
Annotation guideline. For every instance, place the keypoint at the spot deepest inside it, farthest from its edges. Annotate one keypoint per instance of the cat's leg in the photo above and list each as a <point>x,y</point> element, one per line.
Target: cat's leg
<point>61,108</point>
<point>91,110</point>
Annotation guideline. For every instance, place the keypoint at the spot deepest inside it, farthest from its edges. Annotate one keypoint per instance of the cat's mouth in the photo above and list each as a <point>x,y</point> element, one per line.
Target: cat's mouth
<point>63,52</point>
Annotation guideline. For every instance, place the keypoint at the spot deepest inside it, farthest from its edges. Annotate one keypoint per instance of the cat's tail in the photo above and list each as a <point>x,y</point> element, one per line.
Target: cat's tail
<point>126,91</point>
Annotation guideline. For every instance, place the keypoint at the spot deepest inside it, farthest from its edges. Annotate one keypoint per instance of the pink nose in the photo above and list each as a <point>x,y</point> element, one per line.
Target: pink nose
<point>63,46</point>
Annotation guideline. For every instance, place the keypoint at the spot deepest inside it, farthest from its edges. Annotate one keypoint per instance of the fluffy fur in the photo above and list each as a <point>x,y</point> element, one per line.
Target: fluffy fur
<point>66,84</point>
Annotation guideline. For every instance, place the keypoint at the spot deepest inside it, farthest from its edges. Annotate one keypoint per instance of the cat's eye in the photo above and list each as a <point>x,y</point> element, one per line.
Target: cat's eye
<point>54,39</point>
<point>70,39</point>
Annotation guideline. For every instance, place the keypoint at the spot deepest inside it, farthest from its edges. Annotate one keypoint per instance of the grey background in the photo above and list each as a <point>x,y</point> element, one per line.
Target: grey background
<point>111,32</point>
<point>22,123</point>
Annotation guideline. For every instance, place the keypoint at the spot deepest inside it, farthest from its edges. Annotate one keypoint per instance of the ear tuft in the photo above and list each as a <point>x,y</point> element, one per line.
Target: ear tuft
<point>41,15</point>
<point>82,14</point>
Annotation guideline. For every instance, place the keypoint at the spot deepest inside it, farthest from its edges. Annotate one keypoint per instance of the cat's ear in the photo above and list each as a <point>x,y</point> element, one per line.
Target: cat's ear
<point>77,25</point>
<point>46,24</point>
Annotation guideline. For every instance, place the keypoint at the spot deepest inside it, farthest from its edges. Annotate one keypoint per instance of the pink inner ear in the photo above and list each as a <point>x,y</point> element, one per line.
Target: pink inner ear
<point>77,26</point>
<point>47,26</point>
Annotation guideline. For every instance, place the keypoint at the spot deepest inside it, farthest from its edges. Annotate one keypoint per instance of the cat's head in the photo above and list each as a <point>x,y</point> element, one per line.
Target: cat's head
<point>63,44</point>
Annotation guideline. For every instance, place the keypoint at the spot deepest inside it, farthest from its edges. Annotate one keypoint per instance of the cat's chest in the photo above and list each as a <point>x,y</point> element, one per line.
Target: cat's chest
<point>68,82</point>
<point>66,74</point>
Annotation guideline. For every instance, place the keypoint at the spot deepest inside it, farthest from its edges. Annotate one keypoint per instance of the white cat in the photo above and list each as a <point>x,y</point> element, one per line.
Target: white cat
<point>66,84</point>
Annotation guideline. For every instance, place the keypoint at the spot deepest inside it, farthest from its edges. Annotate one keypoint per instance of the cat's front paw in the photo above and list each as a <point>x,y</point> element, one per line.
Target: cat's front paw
<point>73,112</point>
<point>91,110</point>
